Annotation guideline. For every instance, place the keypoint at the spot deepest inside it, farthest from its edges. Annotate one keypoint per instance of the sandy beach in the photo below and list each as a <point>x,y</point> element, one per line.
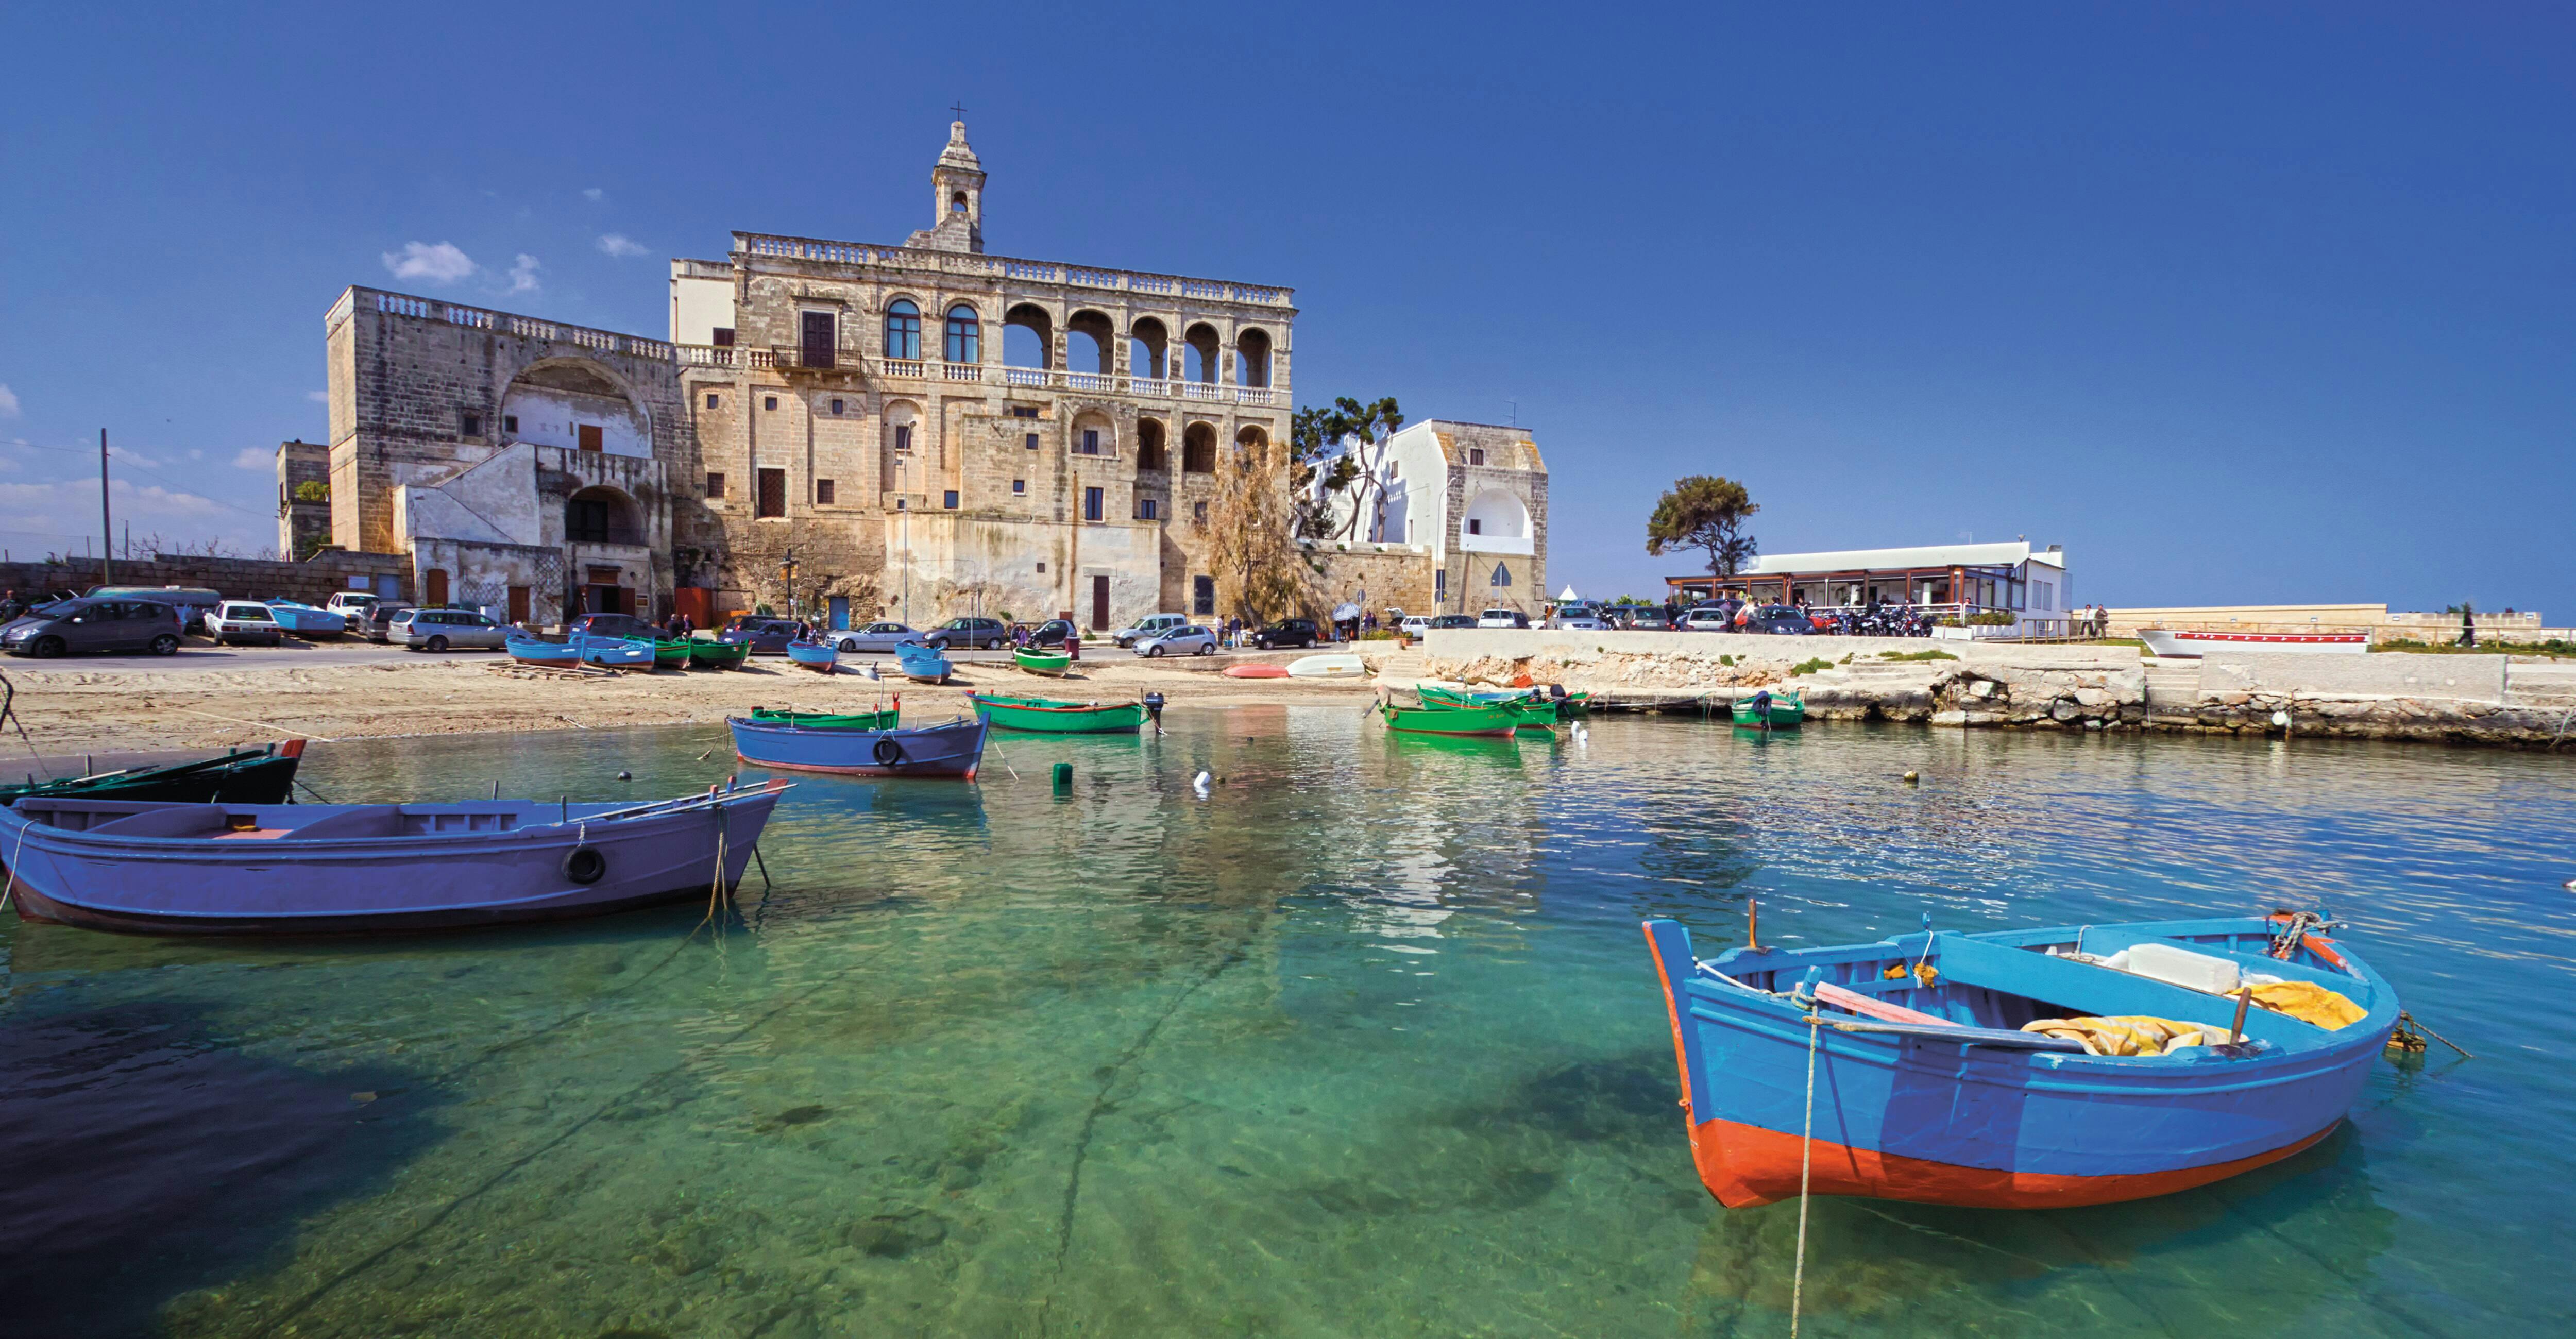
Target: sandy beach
<point>145,705</point>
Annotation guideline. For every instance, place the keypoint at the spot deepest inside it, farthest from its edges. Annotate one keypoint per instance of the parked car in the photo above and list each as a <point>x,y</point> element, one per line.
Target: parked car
<point>376,623</point>
<point>972,633</point>
<point>1502,618</point>
<point>192,602</point>
<point>1287,632</point>
<point>616,625</point>
<point>882,637</point>
<point>1709,618</point>
<point>766,636</point>
<point>1053,632</point>
<point>94,625</point>
<point>1644,618</point>
<point>234,622</point>
<point>1780,620</point>
<point>1584,616</point>
<point>1453,620</point>
<point>354,603</point>
<point>1187,639</point>
<point>446,629</point>
<point>1151,625</point>
<point>1414,625</point>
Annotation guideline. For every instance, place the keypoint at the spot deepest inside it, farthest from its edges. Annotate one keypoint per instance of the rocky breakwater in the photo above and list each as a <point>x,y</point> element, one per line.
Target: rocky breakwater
<point>2454,699</point>
<point>1840,678</point>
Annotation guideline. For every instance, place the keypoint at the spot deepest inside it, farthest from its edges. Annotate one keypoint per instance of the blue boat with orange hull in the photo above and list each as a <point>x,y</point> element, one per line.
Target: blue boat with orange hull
<point>821,657</point>
<point>2042,1068</point>
<point>955,749</point>
<point>158,868</point>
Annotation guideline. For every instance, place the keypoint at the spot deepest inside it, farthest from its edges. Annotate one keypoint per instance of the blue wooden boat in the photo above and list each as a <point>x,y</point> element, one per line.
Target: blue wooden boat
<point>954,749</point>
<point>924,663</point>
<point>530,650</point>
<point>616,652</point>
<point>304,620</point>
<point>1928,1088</point>
<point>822,657</point>
<point>152,868</point>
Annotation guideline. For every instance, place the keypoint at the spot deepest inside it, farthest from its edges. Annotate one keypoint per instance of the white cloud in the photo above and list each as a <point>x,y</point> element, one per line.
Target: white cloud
<point>196,455</point>
<point>318,397</point>
<point>8,401</point>
<point>593,193</point>
<point>523,274</point>
<point>619,244</point>
<point>252,458</point>
<point>440,264</point>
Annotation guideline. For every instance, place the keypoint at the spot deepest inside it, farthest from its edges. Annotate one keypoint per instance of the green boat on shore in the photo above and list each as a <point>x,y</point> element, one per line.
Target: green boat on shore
<point>671,654</point>
<point>1787,713</point>
<point>1045,716</point>
<point>830,720</point>
<point>715,655</point>
<point>1480,722</point>
<point>1042,662</point>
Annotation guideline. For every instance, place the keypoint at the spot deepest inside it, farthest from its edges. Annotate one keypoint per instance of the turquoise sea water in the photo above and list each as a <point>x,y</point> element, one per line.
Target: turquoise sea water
<point>1364,1043</point>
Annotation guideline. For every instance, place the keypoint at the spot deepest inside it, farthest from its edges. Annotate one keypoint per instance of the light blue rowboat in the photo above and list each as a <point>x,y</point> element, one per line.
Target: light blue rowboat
<point>152,868</point>
<point>306,621</point>
<point>822,657</point>
<point>616,652</point>
<point>953,749</point>
<point>1926,1089</point>
<point>922,662</point>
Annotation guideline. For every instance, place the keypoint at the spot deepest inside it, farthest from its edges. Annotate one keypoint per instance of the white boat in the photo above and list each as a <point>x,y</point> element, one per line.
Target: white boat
<point>2191,645</point>
<point>1327,667</point>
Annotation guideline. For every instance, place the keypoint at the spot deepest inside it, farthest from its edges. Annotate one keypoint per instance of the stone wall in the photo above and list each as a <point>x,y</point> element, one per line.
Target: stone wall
<point>311,582</point>
<point>1393,577</point>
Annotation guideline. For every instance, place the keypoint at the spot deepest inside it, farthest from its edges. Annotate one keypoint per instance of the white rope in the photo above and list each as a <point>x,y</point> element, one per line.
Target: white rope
<point>1806,1158</point>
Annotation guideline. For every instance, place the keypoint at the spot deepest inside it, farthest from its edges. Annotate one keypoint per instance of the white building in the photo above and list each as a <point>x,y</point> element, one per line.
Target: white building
<point>1473,498</point>
<point>2030,582</point>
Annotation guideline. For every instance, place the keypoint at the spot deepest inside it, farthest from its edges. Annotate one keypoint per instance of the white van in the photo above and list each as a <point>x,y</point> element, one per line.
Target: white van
<point>1151,625</point>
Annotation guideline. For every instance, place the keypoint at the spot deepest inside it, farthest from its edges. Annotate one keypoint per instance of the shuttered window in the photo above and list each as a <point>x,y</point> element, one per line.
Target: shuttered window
<point>773,493</point>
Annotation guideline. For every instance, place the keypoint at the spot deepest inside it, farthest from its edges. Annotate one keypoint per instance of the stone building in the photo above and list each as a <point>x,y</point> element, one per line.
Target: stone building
<point>1463,523</point>
<point>303,523</point>
<point>854,410</point>
<point>833,422</point>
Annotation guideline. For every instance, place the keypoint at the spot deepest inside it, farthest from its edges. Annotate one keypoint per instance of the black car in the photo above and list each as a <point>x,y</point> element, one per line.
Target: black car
<point>1454,621</point>
<point>972,633</point>
<point>93,625</point>
<point>1780,619</point>
<point>767,636</point>
<point>615,625</point>
<point>1053,632</point>
<point>1291,632</point>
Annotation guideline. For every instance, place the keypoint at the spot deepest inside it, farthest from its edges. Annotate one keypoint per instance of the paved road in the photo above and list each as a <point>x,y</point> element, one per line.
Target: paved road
<point>205,657</point>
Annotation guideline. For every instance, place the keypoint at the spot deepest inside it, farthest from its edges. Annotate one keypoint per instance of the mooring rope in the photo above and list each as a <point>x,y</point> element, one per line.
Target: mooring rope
<point>1806,1160</point>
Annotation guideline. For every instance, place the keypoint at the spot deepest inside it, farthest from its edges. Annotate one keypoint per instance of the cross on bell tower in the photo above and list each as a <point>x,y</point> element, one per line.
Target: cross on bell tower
<point>957,195</point>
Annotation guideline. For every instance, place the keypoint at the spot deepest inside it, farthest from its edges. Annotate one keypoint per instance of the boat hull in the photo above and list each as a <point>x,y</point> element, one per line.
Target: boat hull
<point>261,776</point>
<point>717,655</point>
<point>1459,722</point>
<point>455,880</point>
<point>1043,716</point>
<point>1052,666</point>
<point>2184,645</point>
<point>952,750</point>
<point>1328,667</point>
<point>1905,1117</point>
<point>1784,715</point>
<point>922,664</point>
<point>821,659</point>
<point>887,719</point>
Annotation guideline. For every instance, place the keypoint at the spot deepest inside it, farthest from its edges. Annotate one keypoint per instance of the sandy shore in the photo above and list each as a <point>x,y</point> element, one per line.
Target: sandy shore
<point>105,706</point>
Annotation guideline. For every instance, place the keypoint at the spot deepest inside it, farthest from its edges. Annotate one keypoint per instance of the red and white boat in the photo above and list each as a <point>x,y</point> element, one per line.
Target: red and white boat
<point>2186,645</point>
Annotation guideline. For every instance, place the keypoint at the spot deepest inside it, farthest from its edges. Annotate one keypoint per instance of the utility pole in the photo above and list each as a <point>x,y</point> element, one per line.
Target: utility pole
<point>106,527</point>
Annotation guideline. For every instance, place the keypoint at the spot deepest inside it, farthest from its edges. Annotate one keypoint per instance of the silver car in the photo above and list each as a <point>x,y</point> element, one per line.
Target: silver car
<point>882,638</point>
<point>1187,640</point>
<point>446,629</point>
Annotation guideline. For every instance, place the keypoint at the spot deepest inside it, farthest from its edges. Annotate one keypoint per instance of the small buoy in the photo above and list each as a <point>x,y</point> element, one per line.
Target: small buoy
<point>1064,776</point>
<point>1200,784</point>
<point>1912,778</point>
<point>626,776</point>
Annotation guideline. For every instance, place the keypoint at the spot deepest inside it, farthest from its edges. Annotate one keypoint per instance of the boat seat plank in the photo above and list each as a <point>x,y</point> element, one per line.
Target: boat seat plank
<point>372,820</point>
<point>2352,987</point>
<point>187,820</point>
<point>2103,993</point>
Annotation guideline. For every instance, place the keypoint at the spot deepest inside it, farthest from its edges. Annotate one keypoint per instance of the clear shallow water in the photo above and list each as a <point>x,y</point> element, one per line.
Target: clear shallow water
<point>1365,1043</point>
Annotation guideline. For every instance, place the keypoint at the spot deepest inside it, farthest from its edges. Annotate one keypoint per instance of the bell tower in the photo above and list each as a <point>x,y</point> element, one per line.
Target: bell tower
<point>957,198</point>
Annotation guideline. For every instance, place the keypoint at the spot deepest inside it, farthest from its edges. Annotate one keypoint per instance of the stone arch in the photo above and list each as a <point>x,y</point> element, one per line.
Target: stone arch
<point>549,402</point>
<point>1198,448</point>
<point>1252,357</point>
<point>1095,329</point>
<point>1151,453</point>
<point>1038,322</point>
<point>1249,439</point>
<point>601,514</point>
<point>1149,348</point>
<point>1205,352</point>
<point>1494,511</point>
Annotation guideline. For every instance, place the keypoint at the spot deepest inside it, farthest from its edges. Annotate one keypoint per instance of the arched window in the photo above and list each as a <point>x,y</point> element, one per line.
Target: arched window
<point>1502,575</point>
<point>903,330</point>
<point>957,203</point>
<point>965,335</point>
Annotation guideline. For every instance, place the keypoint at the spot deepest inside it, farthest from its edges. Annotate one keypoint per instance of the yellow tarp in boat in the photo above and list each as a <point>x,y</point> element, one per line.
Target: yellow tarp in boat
<point>2309,1002</point>
<point>2133,1034</point>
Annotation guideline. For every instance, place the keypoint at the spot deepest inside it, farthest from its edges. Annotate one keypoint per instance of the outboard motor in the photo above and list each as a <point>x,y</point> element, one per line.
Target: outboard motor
<point>1154,710</point>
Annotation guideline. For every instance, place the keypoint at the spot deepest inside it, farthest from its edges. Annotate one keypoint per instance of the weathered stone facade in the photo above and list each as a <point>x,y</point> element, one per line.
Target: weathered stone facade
<point>851,403</point>
<point>303,525</point>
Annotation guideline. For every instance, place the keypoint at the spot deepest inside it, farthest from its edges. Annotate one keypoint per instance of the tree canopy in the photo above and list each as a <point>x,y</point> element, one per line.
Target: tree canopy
<point>1705,512</point>
<point>1352,437</point>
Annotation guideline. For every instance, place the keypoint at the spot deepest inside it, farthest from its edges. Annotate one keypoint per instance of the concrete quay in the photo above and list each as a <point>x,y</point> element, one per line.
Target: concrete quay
<point>2458,699</point>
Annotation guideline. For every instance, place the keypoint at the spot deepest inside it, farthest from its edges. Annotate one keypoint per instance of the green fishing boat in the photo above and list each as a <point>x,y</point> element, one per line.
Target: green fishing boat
<point>1529,712</point>
<point>717,655</point>
<point>1572,705</point>
<point>1787,713</point>
<point>672,654</point>
<point>1050,717</point>
<point>830,720</point>
<point>1042,662</point>
<point>1490,721</point>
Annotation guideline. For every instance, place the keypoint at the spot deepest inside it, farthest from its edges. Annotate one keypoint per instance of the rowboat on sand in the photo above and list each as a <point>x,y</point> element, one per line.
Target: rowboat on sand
<point>1053,663</point>
<point>922,663</point>
<point>1327,667</point>
<point>151,868</point>
<point>1256,670</point>
<point>1046,716</point>
<point>671,653</point>
<point>953,749</point>
<point>2033,1068</point>
<point>821,657</point>
<point>704,654</point>
<point>538,651</point>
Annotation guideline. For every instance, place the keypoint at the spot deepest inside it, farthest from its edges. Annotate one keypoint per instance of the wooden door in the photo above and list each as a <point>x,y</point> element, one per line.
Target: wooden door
<point>434,588</point>
<point>518,604</point>
<point>816,345</point>
<point>1100,604</point>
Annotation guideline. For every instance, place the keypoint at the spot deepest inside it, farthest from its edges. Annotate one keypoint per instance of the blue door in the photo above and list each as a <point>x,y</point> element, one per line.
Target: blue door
<point>840,613</point>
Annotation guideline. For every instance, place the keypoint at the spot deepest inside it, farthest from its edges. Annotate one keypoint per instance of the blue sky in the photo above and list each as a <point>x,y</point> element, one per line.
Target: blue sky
<point>2239,304</point>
